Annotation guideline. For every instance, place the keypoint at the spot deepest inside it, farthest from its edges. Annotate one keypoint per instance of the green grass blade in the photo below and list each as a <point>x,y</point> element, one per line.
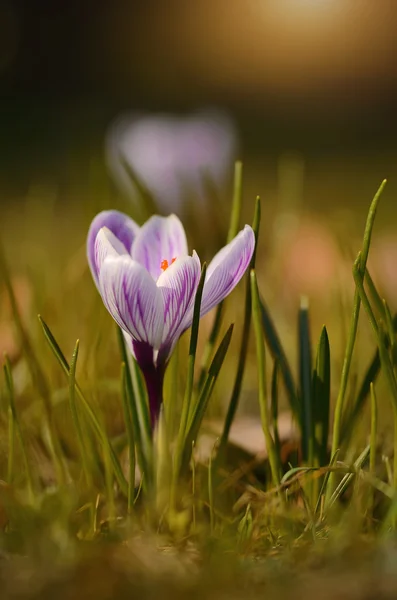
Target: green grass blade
<point>370,376</point>
<point>130,437</point>
<point>138,411</point>
<point>374,428</point>
<point>323,489</point>
<point>237,201</point>
<point>205,395</point>
<point>76,421</point>
<point>99,430</point>
<point>11,402</point>
<point>187,400</point>
<point>346,480</point>
<point>277,352</point>
<point>274,407</point>
<point>374,295</point>
<point>305,377</point>
<point>338,415</point>
<point>321,397</point>
<point>390,328</point>
<point>384,355</point>
<point>235,216</point>
<point>234,399</point>
<point>275,466</point>
<point>171,400</point>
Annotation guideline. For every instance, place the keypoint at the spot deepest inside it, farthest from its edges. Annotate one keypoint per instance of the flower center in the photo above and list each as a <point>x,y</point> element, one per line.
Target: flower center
<point>164,264</point>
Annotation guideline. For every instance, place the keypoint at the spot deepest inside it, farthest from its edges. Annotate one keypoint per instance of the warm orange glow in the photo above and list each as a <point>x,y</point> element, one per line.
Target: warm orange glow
<point>164,264</point>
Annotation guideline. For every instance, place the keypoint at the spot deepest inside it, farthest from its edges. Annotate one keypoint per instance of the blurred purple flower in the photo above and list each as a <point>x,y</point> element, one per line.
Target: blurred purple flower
<point>148,283</point>
<point>172,155</point>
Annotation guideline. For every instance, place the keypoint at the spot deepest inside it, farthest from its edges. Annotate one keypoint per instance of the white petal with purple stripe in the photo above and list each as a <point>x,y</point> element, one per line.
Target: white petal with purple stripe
<point>133,299</point>
<point>227,268</point>
<point>160,238</point>
<point>121,226</point>
<point>178,285</point>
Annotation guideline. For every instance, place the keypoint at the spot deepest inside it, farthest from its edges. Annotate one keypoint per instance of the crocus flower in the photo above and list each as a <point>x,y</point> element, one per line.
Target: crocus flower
<point>148,281</point>
<point>171,154</point>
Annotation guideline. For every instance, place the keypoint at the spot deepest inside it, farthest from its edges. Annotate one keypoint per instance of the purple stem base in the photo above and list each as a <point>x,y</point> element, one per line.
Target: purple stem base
<point>154,379</point>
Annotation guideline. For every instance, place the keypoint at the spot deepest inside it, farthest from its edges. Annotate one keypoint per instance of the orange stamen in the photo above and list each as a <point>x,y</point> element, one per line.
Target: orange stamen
<point>164,264</point>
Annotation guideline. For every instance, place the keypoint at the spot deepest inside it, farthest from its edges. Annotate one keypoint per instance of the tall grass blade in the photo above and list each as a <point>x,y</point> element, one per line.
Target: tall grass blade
<point>338,415</point>
<point>374,428</point>
<point>130,437</point>
<point>274,459</point>
<point>138,412</point>
<point>75,417</point>
<point>274,406</point>
<point>277,352</point>
<point>321,397</point>
<point>305,378</point>
<point>187,400</point>
<point>235,216</point>
<point>384,355</point>
<point>205,395</point>
<point>234,399</point>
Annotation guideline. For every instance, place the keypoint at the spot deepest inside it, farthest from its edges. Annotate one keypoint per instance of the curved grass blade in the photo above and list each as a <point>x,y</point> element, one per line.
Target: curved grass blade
<point>75,417</point>
<point>205,395</point>
<point>187,400</point>
<point>277,352</point>
<point>234,399</point>
<point>102,436</point>
<point>233,230</point>
<point>274,461</point>
<point>338,415</point>
<point>384,355</point>
<point>346,480</point>
<point>138,411</point>
<point>371,374</point>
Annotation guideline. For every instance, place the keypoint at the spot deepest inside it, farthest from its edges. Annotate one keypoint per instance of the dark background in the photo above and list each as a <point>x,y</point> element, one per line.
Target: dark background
<point>313,76</point>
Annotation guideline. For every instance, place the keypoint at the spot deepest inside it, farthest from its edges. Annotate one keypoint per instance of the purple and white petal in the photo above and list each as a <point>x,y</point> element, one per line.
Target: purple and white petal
<point>106,244</point>
<point>227,268</point>
<point>122,227</point>
<point>178,285</point>
<point>131,296</point>
<point>159,239</point>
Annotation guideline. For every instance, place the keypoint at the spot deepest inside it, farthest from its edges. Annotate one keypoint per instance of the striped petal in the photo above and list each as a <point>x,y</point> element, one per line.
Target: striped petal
<point>160,239</point>
<point>227,268</point>
<point>106,244</point>
<point>121,226</point>
<point>178,285</point>
<point>131,296</point>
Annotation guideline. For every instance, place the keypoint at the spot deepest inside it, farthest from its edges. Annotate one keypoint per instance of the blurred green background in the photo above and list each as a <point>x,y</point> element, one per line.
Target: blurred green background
<point>317,77</point>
